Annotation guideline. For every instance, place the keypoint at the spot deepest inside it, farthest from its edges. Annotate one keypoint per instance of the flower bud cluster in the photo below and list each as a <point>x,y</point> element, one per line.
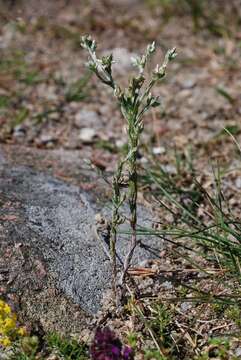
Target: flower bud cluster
<point>134,101</point>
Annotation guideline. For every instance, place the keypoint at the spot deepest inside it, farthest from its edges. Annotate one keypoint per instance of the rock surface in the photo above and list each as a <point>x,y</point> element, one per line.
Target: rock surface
<point>47,225</point>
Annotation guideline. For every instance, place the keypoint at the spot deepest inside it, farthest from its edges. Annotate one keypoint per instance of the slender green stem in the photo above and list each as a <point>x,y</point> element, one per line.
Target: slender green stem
<point>113,239</point>
<point>133,191</point>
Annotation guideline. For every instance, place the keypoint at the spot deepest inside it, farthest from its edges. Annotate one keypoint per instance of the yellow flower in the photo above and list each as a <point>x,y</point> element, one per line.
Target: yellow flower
<point>22,331</point>
<point>9,324</point>
<point>5,342</point>
<point>7,309</point>
<point>9,330</point>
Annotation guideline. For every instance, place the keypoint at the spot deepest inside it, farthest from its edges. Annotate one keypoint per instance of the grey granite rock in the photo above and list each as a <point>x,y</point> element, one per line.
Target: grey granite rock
<point>57,222</point>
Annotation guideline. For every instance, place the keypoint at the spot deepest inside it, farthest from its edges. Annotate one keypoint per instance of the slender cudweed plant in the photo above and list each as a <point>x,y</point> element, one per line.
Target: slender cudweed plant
<point>134,102</point>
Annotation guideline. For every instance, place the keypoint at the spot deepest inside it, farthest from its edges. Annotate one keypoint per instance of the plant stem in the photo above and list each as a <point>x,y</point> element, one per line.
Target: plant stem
<point>113,250</point>
<point>117,201</point>
<point>133,190</point>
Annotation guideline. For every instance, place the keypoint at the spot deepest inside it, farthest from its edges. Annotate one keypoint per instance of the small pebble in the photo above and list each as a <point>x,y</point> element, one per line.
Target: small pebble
<point>46,139</point>
<point>238,182</point>
<point>86,117</point>
<point>188,83</point>
<point>19,131</point>
<point>238,352</point>
<point>158,150</point>
<point>170,169</point>
<point>167,285</point>
<point>186,306</point>
<point>87,135</point>
<point>143,160</point>
<point>120,142</point>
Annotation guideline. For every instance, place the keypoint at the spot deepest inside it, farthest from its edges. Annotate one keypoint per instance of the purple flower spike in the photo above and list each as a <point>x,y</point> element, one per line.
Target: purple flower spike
<point>106,346</point>
<point>128,353</point>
